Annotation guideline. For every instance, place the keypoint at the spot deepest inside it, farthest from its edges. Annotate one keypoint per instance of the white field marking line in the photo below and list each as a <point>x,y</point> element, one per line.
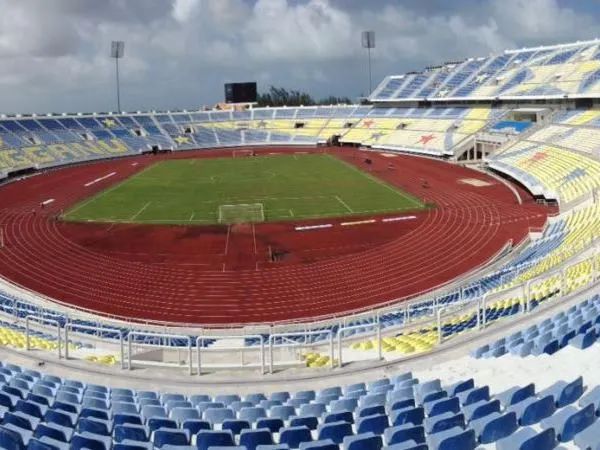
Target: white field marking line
<point>192,217</point>
<point>140,211</point>
<point>226,244</point>
<point>291,213</point>
<point>344,204</point>
<point>103,193</point>
<point>98,180</point>
<point>376,180</point>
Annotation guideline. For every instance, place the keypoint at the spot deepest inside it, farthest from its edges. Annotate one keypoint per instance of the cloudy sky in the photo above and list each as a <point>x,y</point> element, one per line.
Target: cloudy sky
<point>54,54</point>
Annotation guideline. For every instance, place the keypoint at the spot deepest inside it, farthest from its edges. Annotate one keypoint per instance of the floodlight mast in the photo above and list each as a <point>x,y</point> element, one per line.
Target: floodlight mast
<point>368,42</point>
<point>117,51</point>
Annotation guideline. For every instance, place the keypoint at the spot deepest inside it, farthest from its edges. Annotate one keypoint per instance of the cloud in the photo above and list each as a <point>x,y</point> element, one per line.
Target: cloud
<point>54,54</point>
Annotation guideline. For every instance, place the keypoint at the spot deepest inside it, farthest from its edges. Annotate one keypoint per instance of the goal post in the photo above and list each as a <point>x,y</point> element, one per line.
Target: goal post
<point>241,213</point>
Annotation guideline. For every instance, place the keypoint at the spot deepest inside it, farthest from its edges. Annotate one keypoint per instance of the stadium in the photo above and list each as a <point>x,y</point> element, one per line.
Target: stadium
<point>418,270</point>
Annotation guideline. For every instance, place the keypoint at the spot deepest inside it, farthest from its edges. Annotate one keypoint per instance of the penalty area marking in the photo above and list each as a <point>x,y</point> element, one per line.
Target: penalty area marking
<point>98,180</point>
<point>140,211</point>
<point>377,180</point>
<point>344,204</point>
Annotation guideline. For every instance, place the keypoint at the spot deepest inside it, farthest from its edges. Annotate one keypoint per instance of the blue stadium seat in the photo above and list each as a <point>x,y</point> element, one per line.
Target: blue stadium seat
<point>164,436</point>
<point>94,426</point>
<point>253,438</point>
<point>460,386</point>
<point>274,425</point>
<point>412,415</point>
<point>10,440</point>
<point>325,444</point>
<point>407,445</point>
<point>364,411</point>
<point>311,422</point>
<point>375,424</point>
<point>481,409</point>
<point>194,426</point>
<point>183,414</point>
<point>344,404</point>
<point>235,425</point>
<point>532,410</point>
<point>516,394</point>
<point>208,438</point>
<point>218,415</point>
<point>91,442</point>
<point>336,431</point>
<point>345,416</point>
<point>529,439</point>
<point>444,422</point>
<point>293,436</point>
<point>442,406</point>
<point>312,409</point>
<point>494,427</point>
<point>131,432</point>
<point>403,433</point>
<point>474,395</point>
<point>283,412</point>
<point>569,421</point>
<point>366,441</point>
<point>565,393</point>
<point>252,414</point>
<point>453,439</point>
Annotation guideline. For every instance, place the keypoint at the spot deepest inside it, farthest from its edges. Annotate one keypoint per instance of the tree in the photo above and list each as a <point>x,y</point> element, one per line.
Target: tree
<point>278,96</point>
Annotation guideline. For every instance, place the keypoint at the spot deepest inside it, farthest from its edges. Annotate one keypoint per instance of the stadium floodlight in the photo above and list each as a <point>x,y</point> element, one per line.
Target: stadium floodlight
<point>117,51</point>
<point>368,42</point>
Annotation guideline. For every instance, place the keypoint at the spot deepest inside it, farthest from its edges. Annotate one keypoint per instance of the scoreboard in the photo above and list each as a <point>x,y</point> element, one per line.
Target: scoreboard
<point>240,92</point>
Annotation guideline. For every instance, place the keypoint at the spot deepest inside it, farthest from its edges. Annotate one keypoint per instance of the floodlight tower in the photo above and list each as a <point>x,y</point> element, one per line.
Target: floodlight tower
<point>117,51</point>
<point>368,42</point>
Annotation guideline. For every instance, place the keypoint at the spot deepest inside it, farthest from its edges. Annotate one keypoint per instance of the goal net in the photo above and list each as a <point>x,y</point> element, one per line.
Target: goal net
<point>242,213</point>
<point>243,153</point>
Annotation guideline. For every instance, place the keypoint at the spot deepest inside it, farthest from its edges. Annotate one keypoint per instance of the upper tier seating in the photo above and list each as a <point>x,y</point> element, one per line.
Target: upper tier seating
<point>546,71</point>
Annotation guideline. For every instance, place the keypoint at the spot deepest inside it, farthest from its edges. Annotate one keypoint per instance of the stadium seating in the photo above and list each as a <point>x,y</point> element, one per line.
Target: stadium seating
<point>577,327</point>
<point>43,411</point>
<point>545,71</point>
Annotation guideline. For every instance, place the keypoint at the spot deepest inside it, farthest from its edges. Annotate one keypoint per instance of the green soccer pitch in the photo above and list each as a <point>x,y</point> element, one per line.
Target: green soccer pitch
<point>248,189</point>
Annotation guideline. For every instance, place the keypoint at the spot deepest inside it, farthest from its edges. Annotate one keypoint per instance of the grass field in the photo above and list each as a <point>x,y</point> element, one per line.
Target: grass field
<point>287,186</point>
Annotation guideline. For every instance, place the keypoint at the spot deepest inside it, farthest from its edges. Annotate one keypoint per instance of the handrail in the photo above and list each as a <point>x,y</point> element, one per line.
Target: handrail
<point>133,334</point>
<point>305,334</point>
<point>200,341</point>
<point>43,321</point>
<point>69,326</point>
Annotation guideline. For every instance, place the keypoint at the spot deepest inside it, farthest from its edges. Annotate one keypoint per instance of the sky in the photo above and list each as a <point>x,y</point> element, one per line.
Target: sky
<point>55,54</point>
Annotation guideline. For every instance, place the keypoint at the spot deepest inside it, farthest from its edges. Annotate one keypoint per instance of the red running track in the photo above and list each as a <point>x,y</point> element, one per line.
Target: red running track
<point>220,276</point>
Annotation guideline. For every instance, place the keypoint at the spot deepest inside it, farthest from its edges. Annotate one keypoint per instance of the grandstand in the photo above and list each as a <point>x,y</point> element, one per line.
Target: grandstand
<point>470,323</point>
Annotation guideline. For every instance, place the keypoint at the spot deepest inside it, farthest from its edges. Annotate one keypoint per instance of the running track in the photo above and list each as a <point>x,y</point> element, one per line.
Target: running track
<point>80,264</point>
